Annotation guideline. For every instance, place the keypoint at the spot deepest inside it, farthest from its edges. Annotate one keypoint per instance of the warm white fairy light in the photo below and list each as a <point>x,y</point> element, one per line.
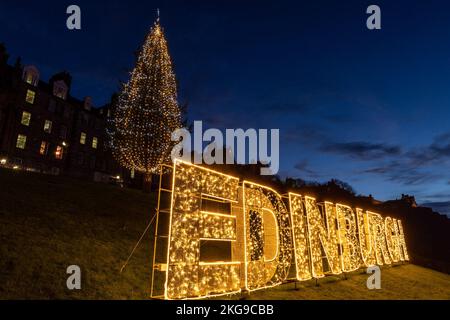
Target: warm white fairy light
<point>263,234</point>
<point>147,111</point>
<point>268,251</point>
<point>323,237</point>
<point>402,242</point>
<point>348,235</point>
<point>300,237</point>
<point>366,239</point>
<point>392,239</point>
<point>378,232</point>
<point>187,276</point>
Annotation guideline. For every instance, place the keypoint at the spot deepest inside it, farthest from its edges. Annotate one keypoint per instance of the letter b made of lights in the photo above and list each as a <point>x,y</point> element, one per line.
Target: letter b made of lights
<point>216,235</point>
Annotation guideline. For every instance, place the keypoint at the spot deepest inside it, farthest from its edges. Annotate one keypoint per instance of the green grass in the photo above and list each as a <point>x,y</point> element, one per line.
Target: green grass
<point>48,223</point>
<point>398,282</point>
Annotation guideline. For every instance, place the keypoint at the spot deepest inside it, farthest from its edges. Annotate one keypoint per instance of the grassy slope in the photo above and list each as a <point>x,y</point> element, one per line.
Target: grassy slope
<point>48,223</point>
<point>399,282</point>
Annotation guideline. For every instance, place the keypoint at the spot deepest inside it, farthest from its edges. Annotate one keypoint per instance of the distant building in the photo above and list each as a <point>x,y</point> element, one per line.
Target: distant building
<point>45,129</point>
<point>409,200</point>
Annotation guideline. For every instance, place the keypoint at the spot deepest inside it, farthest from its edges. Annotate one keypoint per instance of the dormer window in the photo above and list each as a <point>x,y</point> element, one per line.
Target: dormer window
<point>60,89</point>
<point>87,103</point>
<point>31,75</point>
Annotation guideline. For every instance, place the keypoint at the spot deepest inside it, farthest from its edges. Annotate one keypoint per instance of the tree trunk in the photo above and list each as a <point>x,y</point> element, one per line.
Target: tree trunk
<point>147,183</point>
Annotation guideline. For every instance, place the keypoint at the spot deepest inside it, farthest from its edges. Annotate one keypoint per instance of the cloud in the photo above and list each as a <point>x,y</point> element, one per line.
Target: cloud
<point>437,152</point>
<point>416,166</point>
<point>396,171</point>
<point>361,150</point>
<point>441,207</point>
<point>303,166</point>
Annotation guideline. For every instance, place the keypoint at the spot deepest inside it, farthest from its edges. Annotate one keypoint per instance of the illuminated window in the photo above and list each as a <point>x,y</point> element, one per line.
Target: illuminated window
<point>132,174</point>
<point>94,142</point>
<point>21,141</point>
<point>59,152</point>
<point>29,78</point>
<point>60,93</point>
<point>26,117</point>
<point>48,126</point>
<point>31,75</point>
<point>43,150</point>
<point>83,138</point>
<point>30,96</point>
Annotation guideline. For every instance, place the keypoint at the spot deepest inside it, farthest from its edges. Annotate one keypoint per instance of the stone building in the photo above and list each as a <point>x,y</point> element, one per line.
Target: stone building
<point>43,128</point>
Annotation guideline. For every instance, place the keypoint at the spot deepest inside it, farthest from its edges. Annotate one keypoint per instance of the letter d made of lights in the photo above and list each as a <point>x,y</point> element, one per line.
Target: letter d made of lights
<point>216,235</point>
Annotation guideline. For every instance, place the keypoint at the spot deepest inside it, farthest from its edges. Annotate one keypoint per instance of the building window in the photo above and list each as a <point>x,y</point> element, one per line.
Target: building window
<point>60,89</point>
<point>59,152</point>
<point>26,118</point>
<point>63,132</point>
<point>132,174</point>
<point>31,75</point>
<point>21,141</point>
<point>83,138</point>
<point>84,119</point>
<point>48,126</point>
<point>67,112</point>
<point>43,150</point>
<point>29,78</point>
<point>51,105</point>
<point>94,142</point>
<point>80,158</point>
<point>30,96</point>
<point>92,164</point>
<point>87,103</point>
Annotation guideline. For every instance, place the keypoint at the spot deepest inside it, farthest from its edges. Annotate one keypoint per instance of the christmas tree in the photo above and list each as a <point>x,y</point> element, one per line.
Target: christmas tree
<point>147,110</point>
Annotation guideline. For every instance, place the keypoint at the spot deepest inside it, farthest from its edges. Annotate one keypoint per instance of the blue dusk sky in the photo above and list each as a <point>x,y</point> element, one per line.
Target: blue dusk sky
<point>371,108</point>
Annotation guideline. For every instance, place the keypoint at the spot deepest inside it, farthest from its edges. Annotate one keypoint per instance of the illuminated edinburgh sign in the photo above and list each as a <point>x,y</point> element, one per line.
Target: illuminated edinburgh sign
<point>225,236</point>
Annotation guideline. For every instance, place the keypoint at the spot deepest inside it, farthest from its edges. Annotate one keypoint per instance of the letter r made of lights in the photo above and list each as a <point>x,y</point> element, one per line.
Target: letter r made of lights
<point>225,236</point>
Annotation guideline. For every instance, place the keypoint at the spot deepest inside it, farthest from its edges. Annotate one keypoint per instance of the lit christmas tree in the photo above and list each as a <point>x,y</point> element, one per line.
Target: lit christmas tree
<point>147,110</point>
